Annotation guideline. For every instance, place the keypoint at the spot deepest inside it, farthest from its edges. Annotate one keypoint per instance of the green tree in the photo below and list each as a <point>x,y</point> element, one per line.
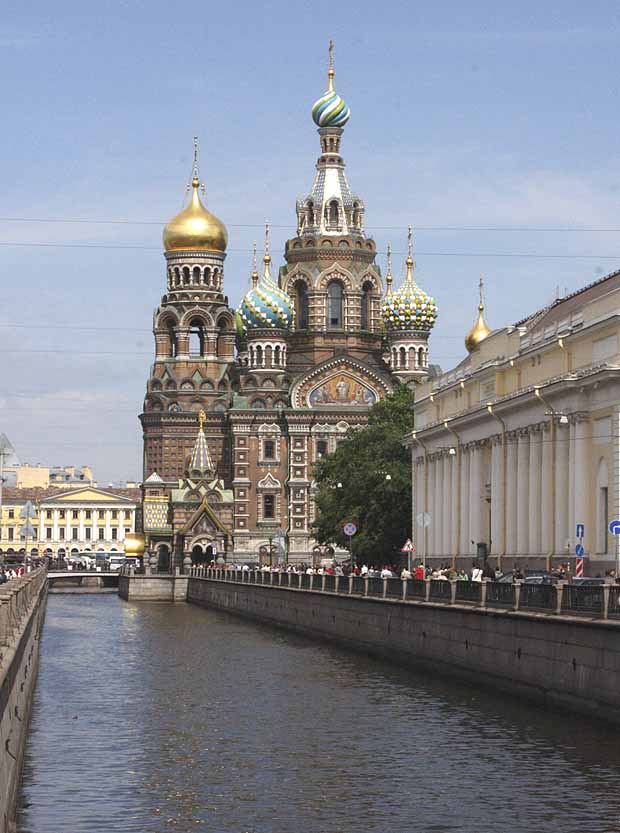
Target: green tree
<point>367,480</point>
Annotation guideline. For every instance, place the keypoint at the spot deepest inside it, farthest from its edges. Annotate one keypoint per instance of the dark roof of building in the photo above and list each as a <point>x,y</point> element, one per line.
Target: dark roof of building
<point>14,495</point>
<point>572,301</point>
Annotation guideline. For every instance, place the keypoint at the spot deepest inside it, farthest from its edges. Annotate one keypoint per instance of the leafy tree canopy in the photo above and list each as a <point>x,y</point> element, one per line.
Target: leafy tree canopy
<point>367,480</point>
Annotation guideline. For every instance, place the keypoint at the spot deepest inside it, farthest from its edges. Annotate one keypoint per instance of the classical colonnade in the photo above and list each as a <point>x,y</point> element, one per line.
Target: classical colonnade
<point>521,492</point>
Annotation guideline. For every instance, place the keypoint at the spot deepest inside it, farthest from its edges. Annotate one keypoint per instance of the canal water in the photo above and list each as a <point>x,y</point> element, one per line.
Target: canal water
<point>161,718</point>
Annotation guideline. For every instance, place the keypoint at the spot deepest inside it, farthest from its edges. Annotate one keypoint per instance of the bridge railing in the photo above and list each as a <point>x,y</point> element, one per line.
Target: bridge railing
<point>598,602</point>
<point>16,599</point>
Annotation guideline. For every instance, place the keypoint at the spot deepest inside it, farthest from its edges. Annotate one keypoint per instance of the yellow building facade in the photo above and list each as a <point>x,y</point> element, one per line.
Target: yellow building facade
<point>68,522</point>
<point>520,442</point>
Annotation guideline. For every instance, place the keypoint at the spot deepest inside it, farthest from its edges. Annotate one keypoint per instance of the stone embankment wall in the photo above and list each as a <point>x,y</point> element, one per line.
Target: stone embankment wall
<point>22,607</point>
<point>153,588</point>
<point>553,659</point>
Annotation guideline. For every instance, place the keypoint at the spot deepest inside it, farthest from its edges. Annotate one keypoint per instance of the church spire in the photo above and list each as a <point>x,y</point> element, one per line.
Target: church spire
<point>388,277</point>
<point>200,465</point>
<point>254,269</point>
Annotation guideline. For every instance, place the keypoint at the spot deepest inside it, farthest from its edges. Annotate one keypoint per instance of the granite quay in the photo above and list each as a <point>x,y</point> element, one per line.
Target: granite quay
<point>22,606</point>
<point>557,645</point>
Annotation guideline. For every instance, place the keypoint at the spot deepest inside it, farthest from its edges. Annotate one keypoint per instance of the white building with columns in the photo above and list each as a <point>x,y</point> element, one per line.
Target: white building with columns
<point>520,442</point>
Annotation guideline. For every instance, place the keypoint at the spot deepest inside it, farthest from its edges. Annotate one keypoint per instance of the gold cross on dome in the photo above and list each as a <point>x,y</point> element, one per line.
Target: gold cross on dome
<point>202,418</point>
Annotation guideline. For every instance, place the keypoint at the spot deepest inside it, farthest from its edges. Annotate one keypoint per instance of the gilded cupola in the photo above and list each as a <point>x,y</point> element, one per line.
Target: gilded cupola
<point>195,228</point>
<point>409,307</point>
<point>480,330</point>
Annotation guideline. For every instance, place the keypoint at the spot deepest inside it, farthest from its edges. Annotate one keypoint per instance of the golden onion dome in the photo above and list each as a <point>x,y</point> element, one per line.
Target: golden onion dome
<point>480,330</point>
<point>195,228</point>
<point>134,544</point>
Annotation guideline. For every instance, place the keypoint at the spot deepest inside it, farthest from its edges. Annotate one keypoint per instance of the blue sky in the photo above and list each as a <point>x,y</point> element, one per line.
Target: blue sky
<point>502,121</point>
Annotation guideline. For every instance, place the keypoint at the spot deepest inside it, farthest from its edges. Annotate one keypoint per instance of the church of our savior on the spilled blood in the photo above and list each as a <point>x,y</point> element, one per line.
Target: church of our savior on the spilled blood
<point>240,405</point>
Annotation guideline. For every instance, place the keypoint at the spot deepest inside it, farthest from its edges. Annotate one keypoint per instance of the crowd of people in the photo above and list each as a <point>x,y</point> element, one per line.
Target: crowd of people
<point>446,572</point>
<point>7,573</point>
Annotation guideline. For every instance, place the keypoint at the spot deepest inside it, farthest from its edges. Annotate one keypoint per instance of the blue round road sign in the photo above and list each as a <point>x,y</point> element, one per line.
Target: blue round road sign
<point>579,550</point>
<point>614,527</point>
<point>349,529</point>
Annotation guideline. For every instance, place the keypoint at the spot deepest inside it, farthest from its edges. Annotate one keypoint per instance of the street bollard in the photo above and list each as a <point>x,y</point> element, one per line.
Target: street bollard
<point>517,594</point>
<point>483,592</point>
<point>559,592</point>
<point>384,593</point>
<point>606,594</point>
<point>452,591</point>
<point>404,589</point>
<point>427,589</point>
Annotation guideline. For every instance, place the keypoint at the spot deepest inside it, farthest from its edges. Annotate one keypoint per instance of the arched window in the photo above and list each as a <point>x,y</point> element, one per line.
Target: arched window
<point>207,276</point>
<point>177,276</point>
<point>196,275</point>
<point>403,358</point>
<point>367,306</point>
<point>302,310</point>
<point>310,213</point>
<point>186,275</point>
<point>333,213</point>
<point>421,360</point>
<point>334,306</point>
<point>276,356</point>
<point>196,338</point>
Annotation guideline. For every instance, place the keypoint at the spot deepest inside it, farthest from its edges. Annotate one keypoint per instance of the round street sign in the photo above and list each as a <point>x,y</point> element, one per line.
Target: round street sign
<point>423,519</point>
<point>349,529</point>
<point>579,550</point>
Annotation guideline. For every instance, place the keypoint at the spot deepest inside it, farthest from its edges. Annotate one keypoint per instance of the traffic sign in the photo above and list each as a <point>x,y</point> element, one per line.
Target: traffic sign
<point>28,511</point>
<point>423,519</point>
<point>349,529</point>
<point>580,530</point>
<point>579,550</point>
<point>408,546</point>
<point>579,568</point>
<point>614,527</point>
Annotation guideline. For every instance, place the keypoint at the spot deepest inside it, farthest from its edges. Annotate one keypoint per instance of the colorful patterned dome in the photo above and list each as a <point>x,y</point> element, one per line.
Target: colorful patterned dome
<point>409,308</point>
<point>330,110</point>
<point>265,306</point>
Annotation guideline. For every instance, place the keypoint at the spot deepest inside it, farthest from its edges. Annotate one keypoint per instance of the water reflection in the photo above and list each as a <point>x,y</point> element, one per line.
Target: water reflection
<point>158,718</point>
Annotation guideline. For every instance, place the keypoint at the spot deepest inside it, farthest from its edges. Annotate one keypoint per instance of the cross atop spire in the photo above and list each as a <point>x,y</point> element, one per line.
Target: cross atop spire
<point>410,261</point>
<point>330,69</point>
<point>195,183</point>
<point>254,269</point>
<point>481,287</point>
<point>388,277</point>
<point>267,255</point>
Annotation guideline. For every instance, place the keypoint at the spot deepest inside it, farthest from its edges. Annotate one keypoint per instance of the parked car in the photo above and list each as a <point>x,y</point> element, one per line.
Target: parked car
<point>588,581</point>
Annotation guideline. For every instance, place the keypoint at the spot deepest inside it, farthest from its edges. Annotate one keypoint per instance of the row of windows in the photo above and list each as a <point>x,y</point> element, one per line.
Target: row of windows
<point>75,514</point>
<point>13,533</point>
<point>335,306</point>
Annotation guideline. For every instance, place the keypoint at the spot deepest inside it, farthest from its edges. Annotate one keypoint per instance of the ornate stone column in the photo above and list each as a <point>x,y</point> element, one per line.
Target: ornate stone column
<point>465,501</point>
<point>439,495</point>
<point>448,503</point>
<point>511,494</point>
<point>572,474</point>
<point>431,537</point>
<point>497,496</point>
<point>547,487</point>
<point>523,507</point>
<point>584,480</point>
<point>561,488</point>
<point>475,513</point>
<point>535,492</point>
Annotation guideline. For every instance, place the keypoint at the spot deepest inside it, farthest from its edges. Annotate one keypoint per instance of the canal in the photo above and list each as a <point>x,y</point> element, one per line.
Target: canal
<point>158,718</point>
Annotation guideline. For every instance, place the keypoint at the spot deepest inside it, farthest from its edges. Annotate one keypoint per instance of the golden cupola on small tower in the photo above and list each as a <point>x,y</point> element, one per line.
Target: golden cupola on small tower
<point>195,228</point>
<point>480,330</point>
<point>195,243</point>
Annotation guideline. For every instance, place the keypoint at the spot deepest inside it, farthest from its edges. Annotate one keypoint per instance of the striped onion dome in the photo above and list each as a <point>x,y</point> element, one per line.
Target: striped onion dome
<point>330,110</point>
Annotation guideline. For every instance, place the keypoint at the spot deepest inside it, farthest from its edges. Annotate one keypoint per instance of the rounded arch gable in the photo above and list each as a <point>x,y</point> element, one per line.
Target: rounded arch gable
<point>335,273</point>
<point>197,314</point>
